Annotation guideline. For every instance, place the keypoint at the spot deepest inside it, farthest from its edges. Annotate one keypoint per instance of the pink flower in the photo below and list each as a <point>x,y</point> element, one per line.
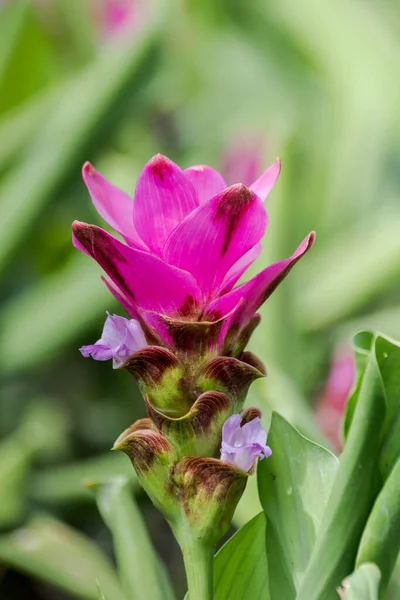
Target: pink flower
<point>242,445</point>
<point>120,338</point>
<point>331,403</point>
<point>188,239</point>
<point>242,160</point>
<point>118,16</point>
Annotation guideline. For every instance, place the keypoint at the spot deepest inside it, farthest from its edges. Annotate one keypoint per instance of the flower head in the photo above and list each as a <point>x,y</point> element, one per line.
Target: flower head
<point>120,338</point>
<point>331,403</point>
<point>189,239</point>
<point>242,445</point>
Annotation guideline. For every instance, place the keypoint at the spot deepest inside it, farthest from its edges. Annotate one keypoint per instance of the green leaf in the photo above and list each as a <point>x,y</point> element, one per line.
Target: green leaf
<point>354,490</point>
<point>363,584</point>
<point>362,344</point>
<point>241,566</point>
<point>48,549</point>
<point>393,592</point>
<point>388,357</point>
<point>294,486</point>
<point>140,571</point>
<point>387,353</point>
<point>380,542</point>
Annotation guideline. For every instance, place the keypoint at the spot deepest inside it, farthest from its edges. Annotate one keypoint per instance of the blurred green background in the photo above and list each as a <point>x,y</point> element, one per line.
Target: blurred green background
<point>314,82</point>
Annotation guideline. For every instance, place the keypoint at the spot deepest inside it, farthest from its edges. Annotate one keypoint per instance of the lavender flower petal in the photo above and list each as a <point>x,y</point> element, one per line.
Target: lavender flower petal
<point>241,446</point>
<point>120,338</point>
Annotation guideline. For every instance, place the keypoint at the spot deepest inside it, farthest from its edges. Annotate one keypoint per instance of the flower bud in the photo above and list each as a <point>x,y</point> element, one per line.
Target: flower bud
<point>208,491</point>
<point>160,375</point>
<point>152,457</point>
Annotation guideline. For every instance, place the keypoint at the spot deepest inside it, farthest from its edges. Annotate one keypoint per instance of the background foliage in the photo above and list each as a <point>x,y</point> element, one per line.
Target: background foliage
<point>312,82</point>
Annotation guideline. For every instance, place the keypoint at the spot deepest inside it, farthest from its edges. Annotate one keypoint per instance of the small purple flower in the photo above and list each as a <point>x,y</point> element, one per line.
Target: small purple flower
<point>120,338</point>
<point>242,445</point>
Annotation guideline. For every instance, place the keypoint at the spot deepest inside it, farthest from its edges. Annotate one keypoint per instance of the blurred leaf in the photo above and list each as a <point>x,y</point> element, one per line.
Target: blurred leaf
<point>294,486</point>
<point>363,584</point>
<point>73,131</point>
<point>65,483</point>
<point>48,549</point>
<point>17,127</point>
<point>76,291</point>
<point>141,574</point>
<point>42,430</point>
<point>380,542</point>
<point>23,49</point>
<point>241,566</point>
<point>44,427</point>
<point>339,276</point>
<point>12,17</point>
<point>77,17</point>
<point>15,459</point>
<point>353,493</point>
<point>101,595</point>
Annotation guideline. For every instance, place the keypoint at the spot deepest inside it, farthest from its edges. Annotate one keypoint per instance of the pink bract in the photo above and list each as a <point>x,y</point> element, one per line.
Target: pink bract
<point>332,402</point>
<point>187,240</point>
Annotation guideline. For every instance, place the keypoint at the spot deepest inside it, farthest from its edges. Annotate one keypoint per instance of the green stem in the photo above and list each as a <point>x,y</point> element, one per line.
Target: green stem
<point>199,566</point>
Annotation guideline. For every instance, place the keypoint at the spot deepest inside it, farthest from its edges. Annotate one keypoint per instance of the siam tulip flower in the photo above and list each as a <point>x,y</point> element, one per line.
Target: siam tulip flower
<point>331,403</point>
<point>243,444</point>
<point>120,338</point>
<point>188,240</point>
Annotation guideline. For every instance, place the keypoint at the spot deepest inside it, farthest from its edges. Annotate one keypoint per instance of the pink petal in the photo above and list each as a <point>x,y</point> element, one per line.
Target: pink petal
<point>214,236</point>
<point>257,290</point>
<point>143,278</point>
<point>114,205</point>
<point>240,267</point>
<point>264,184</point>
<point>120,296</point>
<point>164,196</point>
<point>207,181</point>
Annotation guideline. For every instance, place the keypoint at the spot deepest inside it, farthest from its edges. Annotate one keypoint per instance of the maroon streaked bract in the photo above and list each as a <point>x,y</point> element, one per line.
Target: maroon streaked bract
<point>188,240</point>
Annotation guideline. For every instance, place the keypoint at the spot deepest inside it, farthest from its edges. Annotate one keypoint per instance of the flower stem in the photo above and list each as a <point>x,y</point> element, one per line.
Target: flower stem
<point>199,566</point>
